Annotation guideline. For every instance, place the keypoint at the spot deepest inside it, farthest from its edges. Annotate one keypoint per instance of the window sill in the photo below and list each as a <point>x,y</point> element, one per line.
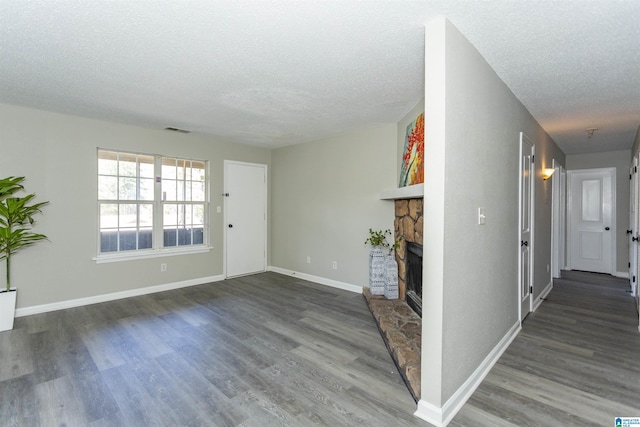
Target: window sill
<point>155,253</point>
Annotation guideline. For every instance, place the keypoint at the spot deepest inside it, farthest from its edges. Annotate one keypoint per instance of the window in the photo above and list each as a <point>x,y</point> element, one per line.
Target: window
<point>150,202</point>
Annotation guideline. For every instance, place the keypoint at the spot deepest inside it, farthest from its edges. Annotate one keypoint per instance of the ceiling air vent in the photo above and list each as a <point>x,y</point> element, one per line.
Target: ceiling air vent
<point>177,130</point>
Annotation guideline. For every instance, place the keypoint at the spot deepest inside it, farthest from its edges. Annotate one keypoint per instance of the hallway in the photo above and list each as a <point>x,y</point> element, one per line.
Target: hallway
<point>576,361</point>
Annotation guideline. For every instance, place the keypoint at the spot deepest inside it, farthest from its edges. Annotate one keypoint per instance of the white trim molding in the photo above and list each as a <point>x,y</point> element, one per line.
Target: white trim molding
<point>440,417</point>
<point>44,308</point>
<point>622,274</point>
<point>317,279</point>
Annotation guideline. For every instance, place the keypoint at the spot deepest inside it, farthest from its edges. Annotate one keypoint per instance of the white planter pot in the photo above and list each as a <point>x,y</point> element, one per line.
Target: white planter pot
<point>7,309</point>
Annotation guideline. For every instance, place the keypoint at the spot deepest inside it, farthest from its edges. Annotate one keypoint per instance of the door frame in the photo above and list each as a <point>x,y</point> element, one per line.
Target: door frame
<point>225,219</point>
<point>523,139</point>
<point>613,226</point>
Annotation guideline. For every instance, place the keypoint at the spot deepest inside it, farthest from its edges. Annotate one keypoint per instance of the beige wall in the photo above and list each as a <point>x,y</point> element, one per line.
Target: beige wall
<point>620,160</point>
<point>470,295</point>
<point>57,154</point>
<point>325,197</point>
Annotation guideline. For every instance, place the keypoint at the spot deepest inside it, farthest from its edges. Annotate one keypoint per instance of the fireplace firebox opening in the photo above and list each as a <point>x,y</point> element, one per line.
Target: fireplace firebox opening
<point>414,277</point>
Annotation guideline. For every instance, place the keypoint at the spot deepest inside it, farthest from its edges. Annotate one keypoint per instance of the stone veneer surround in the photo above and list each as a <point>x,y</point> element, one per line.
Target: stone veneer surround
<point>408,224</point>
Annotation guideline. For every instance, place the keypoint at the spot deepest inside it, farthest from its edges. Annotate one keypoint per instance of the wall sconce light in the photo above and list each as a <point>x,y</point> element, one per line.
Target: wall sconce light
<point>546,173</point>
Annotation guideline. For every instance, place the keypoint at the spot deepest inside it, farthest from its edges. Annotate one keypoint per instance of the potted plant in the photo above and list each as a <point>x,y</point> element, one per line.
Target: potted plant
<point>16,222</point>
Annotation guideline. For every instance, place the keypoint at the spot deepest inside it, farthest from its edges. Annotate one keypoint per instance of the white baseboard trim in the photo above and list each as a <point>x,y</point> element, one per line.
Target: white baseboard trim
<point>622,274</point>
<point>44,308</point>
<point>440,417</point>
<point>542,295</point>
<point>317,279</point>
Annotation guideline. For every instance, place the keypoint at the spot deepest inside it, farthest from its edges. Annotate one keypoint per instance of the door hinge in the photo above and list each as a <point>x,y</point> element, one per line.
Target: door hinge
<point>530,289</point>
<point>635,169</point>
<point>634,279</point>
<point>629,265</point>
<point>533,158</point>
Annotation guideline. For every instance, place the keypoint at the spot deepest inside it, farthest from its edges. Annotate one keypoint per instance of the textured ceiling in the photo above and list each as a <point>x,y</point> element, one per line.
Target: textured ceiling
<point>276,73</point>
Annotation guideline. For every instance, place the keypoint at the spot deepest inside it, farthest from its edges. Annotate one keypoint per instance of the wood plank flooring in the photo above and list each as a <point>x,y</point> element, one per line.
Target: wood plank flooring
<point>263,350</point>
<point>576,361</point>
<point>273,350</point>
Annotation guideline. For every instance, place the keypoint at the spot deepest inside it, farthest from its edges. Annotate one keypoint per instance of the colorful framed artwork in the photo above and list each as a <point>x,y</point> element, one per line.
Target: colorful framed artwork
<point>412,168</point>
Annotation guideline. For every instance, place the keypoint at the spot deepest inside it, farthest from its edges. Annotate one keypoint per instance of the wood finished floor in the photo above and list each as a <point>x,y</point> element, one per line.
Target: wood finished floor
<point>263,350</point>
<point>576,361</point>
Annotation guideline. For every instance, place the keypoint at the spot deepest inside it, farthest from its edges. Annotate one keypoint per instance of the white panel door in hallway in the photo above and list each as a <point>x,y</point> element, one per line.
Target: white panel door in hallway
<point>525,264</point>
<point>592,225</point>
<point>245,218</point>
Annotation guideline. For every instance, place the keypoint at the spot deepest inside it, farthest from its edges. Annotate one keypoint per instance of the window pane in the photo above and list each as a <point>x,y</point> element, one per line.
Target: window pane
<point>128,215</point>
<point>146,216</point>
<point>168,190</point>
<point>107,187</point>
<point>198,215</point>
<point>182,165</point>
<point>108,215</point>
<point>146,189</point>
<point>107,162</point>
<point>127,165</point>
<point>127,189</point>
<point>180,188</point>
<point>188,215</point>
<point>168,168</point>
<point>170,215</point>
<point>127,239</point>
<point>170,236</point>
<point>145,238</point>
<point>108,240</point>
<point>146,166</point>
<point>197,191</point>
<point>197,171</point>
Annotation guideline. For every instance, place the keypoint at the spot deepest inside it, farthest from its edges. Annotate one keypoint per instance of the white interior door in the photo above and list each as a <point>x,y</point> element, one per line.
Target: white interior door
<point>558,219</point>
<point>592,220</point>
<point>634,227</point>
<point>525,264</point>
<point>245,218</point>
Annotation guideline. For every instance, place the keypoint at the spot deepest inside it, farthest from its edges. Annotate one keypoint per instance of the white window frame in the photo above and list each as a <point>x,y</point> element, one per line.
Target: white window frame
<point>158,249</point>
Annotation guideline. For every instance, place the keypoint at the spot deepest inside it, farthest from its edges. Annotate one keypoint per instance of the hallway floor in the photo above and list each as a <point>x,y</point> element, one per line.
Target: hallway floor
<point>576,361</point>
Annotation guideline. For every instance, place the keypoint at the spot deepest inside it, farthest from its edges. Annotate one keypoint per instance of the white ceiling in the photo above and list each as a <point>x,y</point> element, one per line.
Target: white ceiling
<point>275,73</point>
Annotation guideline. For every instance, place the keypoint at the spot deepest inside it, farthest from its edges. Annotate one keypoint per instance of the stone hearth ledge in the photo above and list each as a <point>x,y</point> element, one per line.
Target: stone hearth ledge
<point>401,330</point>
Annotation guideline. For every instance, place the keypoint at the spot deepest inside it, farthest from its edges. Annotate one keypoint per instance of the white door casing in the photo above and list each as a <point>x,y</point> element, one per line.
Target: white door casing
<point>525,223</point>
<point>245,218</point>
<point>591,227</point>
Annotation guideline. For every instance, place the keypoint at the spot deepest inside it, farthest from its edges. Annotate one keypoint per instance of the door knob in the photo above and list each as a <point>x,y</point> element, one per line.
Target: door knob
<point>607,228</point>
<point>230,225</point>
<point>634,239</point>
<point>629,231</point>
<point>524,243</point>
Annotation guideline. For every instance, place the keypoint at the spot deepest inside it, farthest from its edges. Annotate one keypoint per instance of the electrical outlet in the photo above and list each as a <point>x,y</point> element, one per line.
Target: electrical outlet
<point>163,266</point>
<point>308,260</point>
<point>334,264</point>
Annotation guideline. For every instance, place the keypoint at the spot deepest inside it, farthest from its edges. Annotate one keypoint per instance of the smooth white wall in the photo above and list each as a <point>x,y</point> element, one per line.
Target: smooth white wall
<point>325,197</point>
<point>57,154</point>
<point>470,296</point>
<point>621,161</point>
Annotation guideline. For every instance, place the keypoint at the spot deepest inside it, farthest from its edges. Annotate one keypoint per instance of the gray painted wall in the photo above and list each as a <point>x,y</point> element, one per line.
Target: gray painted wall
<point>57,154</point>
<point>621,160</point>
<point>472,151</point>
<point>325,197</point>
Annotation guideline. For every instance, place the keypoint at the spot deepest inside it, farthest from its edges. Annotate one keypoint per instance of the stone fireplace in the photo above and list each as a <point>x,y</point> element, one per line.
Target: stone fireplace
<point>398,322</point>
<point>408,224</point>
